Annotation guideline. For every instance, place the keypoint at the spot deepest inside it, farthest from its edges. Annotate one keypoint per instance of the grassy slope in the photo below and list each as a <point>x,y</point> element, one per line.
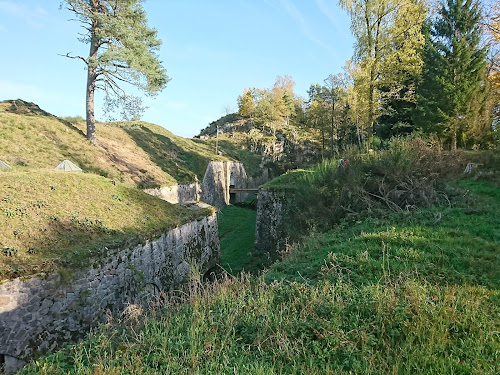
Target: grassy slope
<point>136,153</point>
<point>413,293</point>
<point>54,219</point>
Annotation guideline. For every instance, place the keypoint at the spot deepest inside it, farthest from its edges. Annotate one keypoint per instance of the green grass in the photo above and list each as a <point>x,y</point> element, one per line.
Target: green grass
<point>136,153</point>
<point>237,235</point>
<point>411,293</point>
<point>52,220</point>
<point>459,244</point>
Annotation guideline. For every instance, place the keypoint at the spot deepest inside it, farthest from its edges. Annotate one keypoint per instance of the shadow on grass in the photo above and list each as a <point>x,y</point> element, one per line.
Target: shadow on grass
<point>181,164</point>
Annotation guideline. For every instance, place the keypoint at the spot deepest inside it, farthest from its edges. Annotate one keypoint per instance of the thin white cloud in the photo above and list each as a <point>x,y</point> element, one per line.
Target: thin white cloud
<point>2,29</point>
<point>299,19</point>
<point>334,18</point>
<point>34,17</point>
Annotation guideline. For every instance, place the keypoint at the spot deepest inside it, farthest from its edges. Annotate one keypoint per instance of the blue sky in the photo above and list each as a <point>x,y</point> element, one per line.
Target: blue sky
<point>212,50</point>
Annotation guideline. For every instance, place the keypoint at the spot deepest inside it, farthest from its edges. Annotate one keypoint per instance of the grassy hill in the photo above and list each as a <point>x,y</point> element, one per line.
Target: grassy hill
<point>135,153</point>
<point>55,220</point>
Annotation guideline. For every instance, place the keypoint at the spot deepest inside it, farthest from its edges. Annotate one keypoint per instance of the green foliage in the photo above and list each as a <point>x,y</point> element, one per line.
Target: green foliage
<point>326,110</point>
<point>246,104</point>
<point>122,51</point>
<point>405,176</point>
<point>453,83</point>
<point>402,295</point>
<point>268,106</point>
<point>388,40</point>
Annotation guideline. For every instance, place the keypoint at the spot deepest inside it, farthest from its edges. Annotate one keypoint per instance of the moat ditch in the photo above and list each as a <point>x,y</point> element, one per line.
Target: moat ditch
<point>237,235</point>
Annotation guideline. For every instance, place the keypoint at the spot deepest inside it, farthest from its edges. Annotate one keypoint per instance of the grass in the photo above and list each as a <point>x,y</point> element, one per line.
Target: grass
<point>52,220</point>
<point>458,244</point>
<point>410,293</point>
<point>237,235</point>
<point>135,153</point>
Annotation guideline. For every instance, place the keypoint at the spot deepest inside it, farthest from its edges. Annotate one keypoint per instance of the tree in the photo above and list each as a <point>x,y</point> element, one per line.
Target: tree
<point>493,29</point>
<point>453,81</point>
<point>282,97</point>
<point>388,34</point>
<point>246,104</point>
<point>317,118</point>
<point>265,111</point>
<point>330,97</point>
<point>122,51</point>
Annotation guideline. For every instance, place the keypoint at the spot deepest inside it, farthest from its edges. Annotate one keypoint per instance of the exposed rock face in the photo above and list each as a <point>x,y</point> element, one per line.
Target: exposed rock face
<point>40,314</point>
<point>176,194</point>
<point>269,232</point>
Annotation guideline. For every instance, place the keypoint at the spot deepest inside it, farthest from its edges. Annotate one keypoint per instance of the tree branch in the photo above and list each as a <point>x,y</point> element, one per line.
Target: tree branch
<point>74,57</point>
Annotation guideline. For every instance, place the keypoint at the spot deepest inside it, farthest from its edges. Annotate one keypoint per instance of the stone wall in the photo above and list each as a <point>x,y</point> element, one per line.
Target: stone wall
<point>39,314</point>
<point>221,175</point>
<point>176,194</point>
<point>270,234</point>
<point>214,190</point>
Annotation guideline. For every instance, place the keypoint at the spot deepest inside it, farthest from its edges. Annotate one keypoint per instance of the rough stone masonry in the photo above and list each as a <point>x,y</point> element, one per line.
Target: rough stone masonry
<point>39,314</point>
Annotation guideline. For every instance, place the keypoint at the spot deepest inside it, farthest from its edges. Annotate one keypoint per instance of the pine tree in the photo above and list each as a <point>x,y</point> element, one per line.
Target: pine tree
<point>122,51</point>
<point>454,71</point>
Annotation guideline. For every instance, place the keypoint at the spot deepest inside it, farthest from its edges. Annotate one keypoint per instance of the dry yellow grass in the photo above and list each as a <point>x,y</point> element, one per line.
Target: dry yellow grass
<point>135,153</point>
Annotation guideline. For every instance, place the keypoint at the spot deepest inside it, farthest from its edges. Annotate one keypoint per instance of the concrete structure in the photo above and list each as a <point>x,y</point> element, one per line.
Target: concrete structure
<point>178,194</point>
<point>220,177</point>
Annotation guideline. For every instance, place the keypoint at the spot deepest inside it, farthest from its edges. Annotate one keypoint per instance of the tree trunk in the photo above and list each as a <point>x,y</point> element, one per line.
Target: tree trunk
<point>359,135</point>
<point>322,144</point>
<point>454,140</point>
<point>91,82</point>
<point>332,141</point>
<point>91,133</point>
<point>371,105</point>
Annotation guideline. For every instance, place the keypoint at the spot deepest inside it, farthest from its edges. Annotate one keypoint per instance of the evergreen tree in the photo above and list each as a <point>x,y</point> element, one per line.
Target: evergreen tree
<point>454,71</point>
<point>122,51</point>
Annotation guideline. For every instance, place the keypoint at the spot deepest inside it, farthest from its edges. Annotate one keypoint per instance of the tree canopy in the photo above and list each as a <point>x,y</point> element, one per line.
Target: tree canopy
<point>122,52</point>
<point>455,71</point>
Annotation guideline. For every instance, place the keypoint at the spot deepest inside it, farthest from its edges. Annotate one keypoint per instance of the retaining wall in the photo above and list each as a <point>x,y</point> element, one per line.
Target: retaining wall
<point>270,234</point>
<point>176,194</point>
<point>39,314</point>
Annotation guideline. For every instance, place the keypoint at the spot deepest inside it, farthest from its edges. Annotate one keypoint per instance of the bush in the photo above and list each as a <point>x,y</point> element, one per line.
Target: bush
<point>407,175</point>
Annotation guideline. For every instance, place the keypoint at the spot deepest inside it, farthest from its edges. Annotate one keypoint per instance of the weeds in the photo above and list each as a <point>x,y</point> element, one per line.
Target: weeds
<point>408,175</point>
<point>9,251</point>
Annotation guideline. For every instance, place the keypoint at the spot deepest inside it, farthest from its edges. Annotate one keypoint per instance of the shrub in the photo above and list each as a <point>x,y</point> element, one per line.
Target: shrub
<point>407,175</point>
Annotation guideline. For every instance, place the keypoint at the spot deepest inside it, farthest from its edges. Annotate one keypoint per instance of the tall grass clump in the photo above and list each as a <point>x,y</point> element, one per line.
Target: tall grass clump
<point>410,173</point>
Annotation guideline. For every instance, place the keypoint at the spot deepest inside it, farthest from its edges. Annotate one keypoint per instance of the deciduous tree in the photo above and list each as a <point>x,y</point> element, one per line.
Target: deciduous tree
<point>388,37</point>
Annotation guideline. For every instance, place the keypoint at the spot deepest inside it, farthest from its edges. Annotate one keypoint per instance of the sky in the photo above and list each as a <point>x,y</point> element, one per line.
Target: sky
<point>212,50</point>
